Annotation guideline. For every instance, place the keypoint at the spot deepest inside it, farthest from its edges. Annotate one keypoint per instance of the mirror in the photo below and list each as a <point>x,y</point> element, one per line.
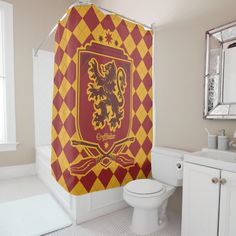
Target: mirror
<point>229,93</point>
<point>220,73</point>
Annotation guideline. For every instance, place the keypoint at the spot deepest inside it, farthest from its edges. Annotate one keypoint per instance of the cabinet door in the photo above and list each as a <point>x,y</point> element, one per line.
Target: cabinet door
<point>228,205</point>
<point>200,201</point>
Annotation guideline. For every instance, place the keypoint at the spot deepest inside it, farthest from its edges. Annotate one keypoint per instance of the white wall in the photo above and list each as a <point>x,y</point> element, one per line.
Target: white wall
<point>179,64</point>
<point>180,83</point>
<point>43,74</point>
<point>32,22</point>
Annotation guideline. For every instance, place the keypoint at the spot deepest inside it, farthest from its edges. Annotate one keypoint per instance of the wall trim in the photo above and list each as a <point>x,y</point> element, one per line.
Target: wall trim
<point>11,172</point>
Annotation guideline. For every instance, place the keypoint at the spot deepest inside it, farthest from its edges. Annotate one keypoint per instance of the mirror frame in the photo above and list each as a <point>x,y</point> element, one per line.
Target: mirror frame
<point>214,108</point>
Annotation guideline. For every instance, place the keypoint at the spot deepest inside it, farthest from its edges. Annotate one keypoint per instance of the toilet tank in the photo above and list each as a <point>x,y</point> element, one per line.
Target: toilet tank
<point>167,166</point>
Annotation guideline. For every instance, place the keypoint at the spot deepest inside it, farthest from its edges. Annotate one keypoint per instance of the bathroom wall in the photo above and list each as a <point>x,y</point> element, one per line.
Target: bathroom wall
<point>180,93</point>
<point>179,65</point>
<point>179,68</point>
<point>180,88</point>
<point>32,22</point>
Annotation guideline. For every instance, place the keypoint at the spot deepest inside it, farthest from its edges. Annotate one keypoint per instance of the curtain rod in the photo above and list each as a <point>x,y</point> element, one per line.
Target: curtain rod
<point>127,18</point>
<point>81,3</point>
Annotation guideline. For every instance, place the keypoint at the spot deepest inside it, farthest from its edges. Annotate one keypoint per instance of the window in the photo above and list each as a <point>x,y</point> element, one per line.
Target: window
<point>7,93</point>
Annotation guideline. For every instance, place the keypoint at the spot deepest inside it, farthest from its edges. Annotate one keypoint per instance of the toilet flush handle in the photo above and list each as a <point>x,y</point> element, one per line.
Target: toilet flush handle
<point>178,165</point>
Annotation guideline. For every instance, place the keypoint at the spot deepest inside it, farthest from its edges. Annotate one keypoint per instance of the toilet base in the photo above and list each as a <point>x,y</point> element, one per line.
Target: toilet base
<point>145,221</point>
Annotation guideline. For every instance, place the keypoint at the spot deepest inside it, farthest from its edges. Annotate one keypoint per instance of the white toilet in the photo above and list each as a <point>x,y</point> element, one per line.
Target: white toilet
<point>149,197</point>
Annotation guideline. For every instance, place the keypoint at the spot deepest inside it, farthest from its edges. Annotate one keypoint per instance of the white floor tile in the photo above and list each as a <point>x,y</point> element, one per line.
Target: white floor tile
<point>117,224</point>
<point>23,187</point>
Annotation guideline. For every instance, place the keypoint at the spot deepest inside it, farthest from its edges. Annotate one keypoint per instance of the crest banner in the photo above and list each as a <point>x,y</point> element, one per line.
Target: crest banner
<point>102,101</point>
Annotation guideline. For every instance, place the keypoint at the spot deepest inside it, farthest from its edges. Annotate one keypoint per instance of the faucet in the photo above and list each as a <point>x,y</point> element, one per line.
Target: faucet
<point>222,132</point>
<point>232,143</point>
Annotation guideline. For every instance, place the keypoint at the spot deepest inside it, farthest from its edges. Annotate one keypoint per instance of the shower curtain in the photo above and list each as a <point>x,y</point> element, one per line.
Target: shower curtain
<point>102,102</point>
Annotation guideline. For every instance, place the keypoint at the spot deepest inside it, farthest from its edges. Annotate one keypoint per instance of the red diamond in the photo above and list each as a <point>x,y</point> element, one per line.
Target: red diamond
<point>134,171</point>
<point>106,162</point>
<point>148,60</point>
<point>147,124</point>
<point>57,124</point>
<point>72,46</point>
<point>146,168</point>
<point>105,177</point>
<point>91,19</point>
<point>70,152</point>
<point>120,174</point>
<point>147,81</point>
<point>71,72</point>
<point>70,125</point>
<point>70,180</point>
<point>123,30</point>
<point>136,102</point>
<point>89,39</point>
<point>58,56</point>
<point>59,33</point>
<point>134,147</point>
<point>147,103</point>
<point>137,79</point>
<point>88,180</point>
<point>147,146</point>
<point>58,78</point>
<point>136,124</point>
<point>57,101</point>
<point>70,98</point>
<point>136,35</point>
<point>56,170</point>
<point>148,39</point>
<point>57,146</point>
<point>107,23</point>
<point>73,19</point>
<point>136,57</point>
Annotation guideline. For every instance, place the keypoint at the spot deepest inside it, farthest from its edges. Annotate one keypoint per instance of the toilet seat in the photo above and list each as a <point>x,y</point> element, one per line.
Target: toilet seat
<point>145,188</point>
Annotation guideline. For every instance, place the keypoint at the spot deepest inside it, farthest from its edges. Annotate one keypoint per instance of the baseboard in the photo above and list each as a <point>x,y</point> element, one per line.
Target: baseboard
<point>11,172</point>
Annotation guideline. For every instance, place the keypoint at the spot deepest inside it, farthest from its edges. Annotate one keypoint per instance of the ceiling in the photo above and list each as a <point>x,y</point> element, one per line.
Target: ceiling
<point>164,12</point>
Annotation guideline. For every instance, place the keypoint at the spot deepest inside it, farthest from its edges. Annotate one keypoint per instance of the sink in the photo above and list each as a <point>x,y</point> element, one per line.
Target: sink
<point>228,156</point>
<point>224,160</point>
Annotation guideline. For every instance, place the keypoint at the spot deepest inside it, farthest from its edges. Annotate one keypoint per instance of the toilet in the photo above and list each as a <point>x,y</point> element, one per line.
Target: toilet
<point>149,197</point>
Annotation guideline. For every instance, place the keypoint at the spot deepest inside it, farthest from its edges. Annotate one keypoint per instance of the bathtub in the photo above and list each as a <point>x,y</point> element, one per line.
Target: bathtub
<point>81,208</point>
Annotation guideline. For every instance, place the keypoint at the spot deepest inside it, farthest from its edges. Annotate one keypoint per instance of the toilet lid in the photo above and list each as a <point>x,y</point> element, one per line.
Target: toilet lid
<point>144,186</point>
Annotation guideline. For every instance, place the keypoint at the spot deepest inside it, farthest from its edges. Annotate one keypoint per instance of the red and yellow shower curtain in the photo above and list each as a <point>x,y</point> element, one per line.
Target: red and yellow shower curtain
<point>102,106</point>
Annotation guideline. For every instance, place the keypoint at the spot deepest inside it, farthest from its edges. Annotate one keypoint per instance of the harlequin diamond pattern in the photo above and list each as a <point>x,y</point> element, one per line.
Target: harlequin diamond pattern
<point>84,24</point>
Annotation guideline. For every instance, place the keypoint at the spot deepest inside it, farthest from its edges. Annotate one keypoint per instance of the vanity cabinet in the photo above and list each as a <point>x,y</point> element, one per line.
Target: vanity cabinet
<point>227,214</point>
<point>209,201</point>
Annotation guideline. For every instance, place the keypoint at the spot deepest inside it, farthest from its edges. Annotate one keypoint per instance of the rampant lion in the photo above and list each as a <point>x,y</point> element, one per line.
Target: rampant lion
<point>107,92</point>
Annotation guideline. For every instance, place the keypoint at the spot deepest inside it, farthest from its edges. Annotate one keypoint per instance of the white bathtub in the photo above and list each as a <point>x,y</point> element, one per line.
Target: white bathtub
<point>84,207</point>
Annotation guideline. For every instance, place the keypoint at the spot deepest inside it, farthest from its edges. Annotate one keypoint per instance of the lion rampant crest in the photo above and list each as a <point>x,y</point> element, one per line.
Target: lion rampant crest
<point>107,93</point>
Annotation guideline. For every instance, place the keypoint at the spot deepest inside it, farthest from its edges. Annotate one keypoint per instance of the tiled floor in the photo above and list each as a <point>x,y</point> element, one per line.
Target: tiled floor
<point>115,224</point>
<point>13,189</point>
